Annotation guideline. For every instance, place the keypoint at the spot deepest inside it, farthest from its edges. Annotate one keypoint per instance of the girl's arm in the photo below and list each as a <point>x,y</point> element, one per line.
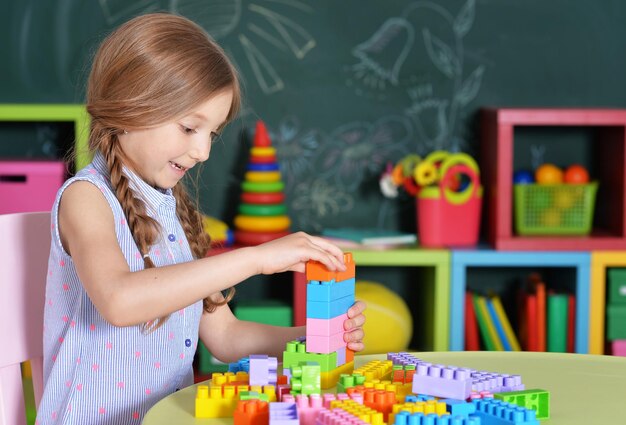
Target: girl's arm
<point>229,339</point>
<point>126,298</point>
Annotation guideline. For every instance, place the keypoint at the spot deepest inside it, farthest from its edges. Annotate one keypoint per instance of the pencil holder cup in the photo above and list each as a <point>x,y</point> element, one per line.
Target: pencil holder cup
<point>449,218</point>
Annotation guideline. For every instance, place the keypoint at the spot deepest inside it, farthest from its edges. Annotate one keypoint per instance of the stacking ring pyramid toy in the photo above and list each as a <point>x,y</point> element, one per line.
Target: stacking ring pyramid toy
<point>262,213</point>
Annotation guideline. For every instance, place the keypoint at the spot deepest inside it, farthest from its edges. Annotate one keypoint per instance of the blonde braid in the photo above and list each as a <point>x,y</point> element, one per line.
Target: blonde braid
<point>143,228</point>
<point>199,241</point>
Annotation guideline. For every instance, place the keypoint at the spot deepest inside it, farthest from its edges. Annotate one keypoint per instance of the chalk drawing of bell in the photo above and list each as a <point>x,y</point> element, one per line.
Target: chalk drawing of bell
<point>383,54</point>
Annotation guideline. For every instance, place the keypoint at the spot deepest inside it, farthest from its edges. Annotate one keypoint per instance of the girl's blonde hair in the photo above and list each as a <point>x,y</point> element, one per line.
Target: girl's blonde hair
<point>155,69</point>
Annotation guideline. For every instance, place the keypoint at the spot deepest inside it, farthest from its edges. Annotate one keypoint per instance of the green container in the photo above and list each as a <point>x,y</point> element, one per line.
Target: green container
<point>554,209</point>
<point>270,312</point>
<point>616,292</point>
<point>615,322</point>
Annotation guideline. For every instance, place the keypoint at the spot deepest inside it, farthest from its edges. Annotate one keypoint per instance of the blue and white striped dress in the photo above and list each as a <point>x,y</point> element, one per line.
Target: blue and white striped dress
<point>97,373</point>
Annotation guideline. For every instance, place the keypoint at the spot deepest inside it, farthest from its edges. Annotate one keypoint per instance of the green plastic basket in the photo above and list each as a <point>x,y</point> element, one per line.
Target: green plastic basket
<point>560,209</point>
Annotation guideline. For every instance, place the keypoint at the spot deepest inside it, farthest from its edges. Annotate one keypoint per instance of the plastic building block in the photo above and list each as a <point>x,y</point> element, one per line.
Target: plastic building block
<point>230,378</point>
<point>295,353</point>
<point>535,399</point>
<point>326,291</point>
<point>376,369</point>
<point>442,381</point>
<point>253,395</point>
<point>329,379</point>
<point>481,394</point>
<point>215,402</point>
<point>365,413</point>
<point>325,344</point>
<point>413,398</point>
<point>381,401</point>
<point>430,407</point>
<point>263,369</point>
<point>497,412</point>
<point>349,355</point>
<point>308,407</point>
<point>282,390</point>
<point>338,417</point>
<point>403,359</point>
<point>406,418</point>
<point>495,382</point>
<point>251,412</point>
<point>318,271</point>
<point>305,378</point>
<point>242,365</point>
<point>403,374</point>
<point>325,327</point>
<point>459,407</point>
<point>329,310</point>
<point>283,413</point>
<point>341,356</point>
<point>348,381</point>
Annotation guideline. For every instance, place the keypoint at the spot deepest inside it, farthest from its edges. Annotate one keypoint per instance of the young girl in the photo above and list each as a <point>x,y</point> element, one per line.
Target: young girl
<point>129,288</point>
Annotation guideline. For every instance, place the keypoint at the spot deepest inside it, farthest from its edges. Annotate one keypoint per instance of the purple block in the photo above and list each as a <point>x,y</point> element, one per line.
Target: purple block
<point>442,381</point>
<point>282,413</point>
<point>341,356</point>
<point>263,369</point>
<point>403,359</point>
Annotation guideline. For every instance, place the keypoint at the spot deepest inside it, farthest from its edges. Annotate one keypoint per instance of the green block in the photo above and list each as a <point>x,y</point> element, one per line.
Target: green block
<point>616,321</point>
<point>348,381</point>
<point>295,354</point>
<point>306,378</point>
<point>534,399</point>
<point>253,395</point>
<point>616,292</point>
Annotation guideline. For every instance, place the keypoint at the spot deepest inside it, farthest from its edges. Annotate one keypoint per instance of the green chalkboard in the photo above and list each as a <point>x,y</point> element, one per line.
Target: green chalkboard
<point>345,86</point>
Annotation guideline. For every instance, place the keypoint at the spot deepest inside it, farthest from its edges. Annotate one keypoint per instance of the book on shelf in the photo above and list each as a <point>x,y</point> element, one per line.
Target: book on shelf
<point>371,237</point>
<point>571,323</point>
<point>486,325</point>
<point>556,315</point>
<point>503,320</point>
<point>472,341</point>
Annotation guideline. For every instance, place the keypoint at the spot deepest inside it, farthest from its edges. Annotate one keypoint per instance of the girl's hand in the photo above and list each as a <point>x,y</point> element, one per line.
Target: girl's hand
<point>291,253</point>
<point>353,327</point>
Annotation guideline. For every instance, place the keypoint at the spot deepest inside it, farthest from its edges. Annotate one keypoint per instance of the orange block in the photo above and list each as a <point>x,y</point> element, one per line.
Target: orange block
<point>251,412</point>
<point>318,271</point>
<point>349,355</point>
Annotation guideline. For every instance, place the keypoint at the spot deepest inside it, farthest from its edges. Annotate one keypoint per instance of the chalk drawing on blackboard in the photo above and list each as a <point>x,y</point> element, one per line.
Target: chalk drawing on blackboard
<point>316,201</point>
<point>358,149</point>
<point>382,55</point>
<point>115,10</point>
<point>221,17</point>
<point>296,149</point>
<point>254,27</point>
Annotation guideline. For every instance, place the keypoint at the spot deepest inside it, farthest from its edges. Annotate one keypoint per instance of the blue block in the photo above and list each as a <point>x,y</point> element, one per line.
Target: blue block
<point>329,290</point>
<point>497,412</point>
<point>459,407</point>
<point>328,310</point>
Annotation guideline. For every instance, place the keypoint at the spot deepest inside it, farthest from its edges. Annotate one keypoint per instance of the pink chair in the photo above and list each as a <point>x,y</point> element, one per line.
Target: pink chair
<point>24,250</point>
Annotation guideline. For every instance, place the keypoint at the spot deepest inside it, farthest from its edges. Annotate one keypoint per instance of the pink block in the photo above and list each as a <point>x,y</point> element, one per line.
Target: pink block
<point>324,344</point>
<point>29,186</point>
<point>619,347</point>
<point>325,327</point>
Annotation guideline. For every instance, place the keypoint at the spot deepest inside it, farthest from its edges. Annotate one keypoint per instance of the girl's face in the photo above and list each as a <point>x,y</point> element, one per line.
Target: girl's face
<point>162,155</point>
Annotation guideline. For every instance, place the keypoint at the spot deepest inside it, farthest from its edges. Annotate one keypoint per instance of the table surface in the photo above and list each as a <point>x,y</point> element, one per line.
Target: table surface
<point>584,389</point>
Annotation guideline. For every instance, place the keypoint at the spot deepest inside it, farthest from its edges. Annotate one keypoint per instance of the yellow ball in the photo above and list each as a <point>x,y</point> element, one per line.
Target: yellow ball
<point>389,325</point>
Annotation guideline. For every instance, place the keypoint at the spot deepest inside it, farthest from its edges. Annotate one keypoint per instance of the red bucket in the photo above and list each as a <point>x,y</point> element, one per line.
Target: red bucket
<point>446,218</point>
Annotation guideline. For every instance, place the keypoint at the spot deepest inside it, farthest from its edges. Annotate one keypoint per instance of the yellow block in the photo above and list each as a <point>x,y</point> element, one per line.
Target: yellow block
<point>262,176</point>
<point>262,151</point>
<point>215,402</point>
<point>376,369</point>
<point>262,224</point>
<point>329,379</point>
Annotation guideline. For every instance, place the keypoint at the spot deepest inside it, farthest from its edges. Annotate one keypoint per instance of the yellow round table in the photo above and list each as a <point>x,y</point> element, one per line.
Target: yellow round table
<point>584,389</point>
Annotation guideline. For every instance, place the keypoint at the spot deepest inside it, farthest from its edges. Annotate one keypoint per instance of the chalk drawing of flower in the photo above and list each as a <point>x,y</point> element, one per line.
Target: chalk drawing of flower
<point>315,201</point>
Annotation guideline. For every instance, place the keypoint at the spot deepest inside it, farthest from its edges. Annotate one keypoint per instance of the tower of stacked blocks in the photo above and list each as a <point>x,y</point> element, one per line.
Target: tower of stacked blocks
<point>262,213</point>
<point>329,295</point>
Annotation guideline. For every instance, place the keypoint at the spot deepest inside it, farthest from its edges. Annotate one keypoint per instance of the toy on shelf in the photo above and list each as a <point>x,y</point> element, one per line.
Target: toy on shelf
<point>262,214</point>
<point>219,232</point>
<point>557,202</point>
<point>448,196</point>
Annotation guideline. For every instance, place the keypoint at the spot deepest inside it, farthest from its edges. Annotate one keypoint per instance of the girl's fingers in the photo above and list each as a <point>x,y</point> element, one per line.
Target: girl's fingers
<point>356,322</point>
<point>356,346</point>
<point>354,336</point>
<point>356,309</point>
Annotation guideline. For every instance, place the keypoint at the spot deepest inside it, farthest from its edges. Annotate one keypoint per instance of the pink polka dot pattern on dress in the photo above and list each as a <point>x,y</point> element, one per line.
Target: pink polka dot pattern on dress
<point>107,374</point>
